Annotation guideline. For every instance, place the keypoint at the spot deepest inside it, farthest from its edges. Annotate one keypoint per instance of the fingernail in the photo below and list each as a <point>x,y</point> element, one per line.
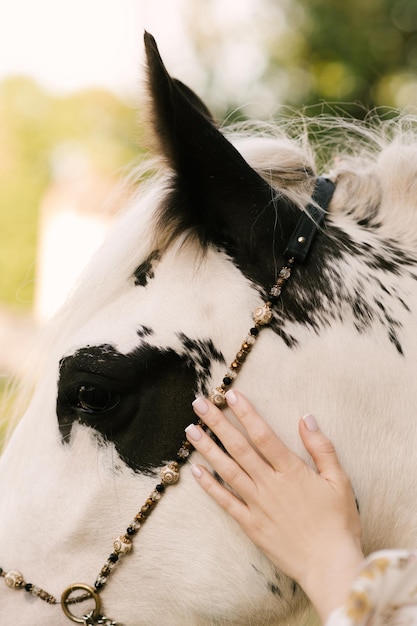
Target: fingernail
<point>196,471</point>
<point>193,432</point>
<point>310,422</point>
<point>231,397</point>
<point>200,406</point>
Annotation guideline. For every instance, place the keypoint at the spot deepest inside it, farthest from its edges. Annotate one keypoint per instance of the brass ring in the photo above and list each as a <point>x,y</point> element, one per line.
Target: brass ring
<point>90,591</point>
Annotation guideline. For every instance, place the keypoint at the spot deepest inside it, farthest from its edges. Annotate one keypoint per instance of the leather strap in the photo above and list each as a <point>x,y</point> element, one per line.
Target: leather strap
<point>310,221</point>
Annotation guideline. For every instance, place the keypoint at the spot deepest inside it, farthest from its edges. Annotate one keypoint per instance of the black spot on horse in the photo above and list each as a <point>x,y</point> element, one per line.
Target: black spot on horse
<point>273,588</point>
<point>145,271</point>
<point>394,339</point>
<point>289,340</point>
<point>144,331</point>
<point>201,353</point>
<point>140,401</point>
<point>317,293</point>
<point>271,585</point>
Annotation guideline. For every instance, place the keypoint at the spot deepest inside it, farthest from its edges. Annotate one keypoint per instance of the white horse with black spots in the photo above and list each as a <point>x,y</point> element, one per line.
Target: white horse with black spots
<point>90,505</point>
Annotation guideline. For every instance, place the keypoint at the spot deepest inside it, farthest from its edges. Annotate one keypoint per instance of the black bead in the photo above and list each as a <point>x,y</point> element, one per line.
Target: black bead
<point>131,531</point>
<point>28,587</point>
<point>113,558</point>
<point>160,487</point>
<point>98,585</point>
<point>179,459</point>
<point>254,331</point>
<point>1,571</point>
<point>227,380</point>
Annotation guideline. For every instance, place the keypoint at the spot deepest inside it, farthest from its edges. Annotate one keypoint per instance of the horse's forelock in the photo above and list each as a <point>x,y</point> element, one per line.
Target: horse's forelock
<point>373,164</point>
<point>397,167</point>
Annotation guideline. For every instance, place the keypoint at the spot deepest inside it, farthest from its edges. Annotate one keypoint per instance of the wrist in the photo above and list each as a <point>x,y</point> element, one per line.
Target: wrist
<point>329,576</point>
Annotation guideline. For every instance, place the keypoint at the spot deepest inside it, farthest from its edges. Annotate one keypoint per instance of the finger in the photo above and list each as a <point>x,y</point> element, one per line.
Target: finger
<point>224,498</point>
<point>224,465</point>
<point>261,434</point>
<point>320,448</point>
<point>232,439</point>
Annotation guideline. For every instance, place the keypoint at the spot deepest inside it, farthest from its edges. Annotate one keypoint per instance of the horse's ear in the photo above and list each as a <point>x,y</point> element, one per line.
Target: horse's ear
<point>176,111</point>
<point>217,192</point>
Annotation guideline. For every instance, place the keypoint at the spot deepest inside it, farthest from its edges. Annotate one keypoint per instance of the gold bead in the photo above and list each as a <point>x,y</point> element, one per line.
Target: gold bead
<point>13,579</point>
<point>122,545</point>
<point>217,397</point>
<point>276,290</point>
<point>169,474</point>
<point>262,315</point>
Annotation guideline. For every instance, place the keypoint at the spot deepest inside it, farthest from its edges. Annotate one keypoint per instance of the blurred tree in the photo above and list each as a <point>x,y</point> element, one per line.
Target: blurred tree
<point>363,52</point>
<point>355,55</point>
<point>34,126</point>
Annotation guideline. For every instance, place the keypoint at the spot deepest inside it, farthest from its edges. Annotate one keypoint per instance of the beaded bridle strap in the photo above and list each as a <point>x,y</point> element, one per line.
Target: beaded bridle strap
<point>297,250</point>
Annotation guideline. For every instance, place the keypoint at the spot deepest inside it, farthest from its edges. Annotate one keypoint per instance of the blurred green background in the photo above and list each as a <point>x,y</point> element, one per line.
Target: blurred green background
<point>33,126</point>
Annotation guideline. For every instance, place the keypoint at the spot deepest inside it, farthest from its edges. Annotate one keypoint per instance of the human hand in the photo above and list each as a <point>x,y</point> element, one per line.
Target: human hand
<point>305,521</point>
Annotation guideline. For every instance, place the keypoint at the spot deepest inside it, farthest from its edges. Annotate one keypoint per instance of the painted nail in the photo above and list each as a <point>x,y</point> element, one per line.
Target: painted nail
<point>194,432</point>
<point>310,422</point>
<point>231,397</point>
<point>200,406</point>
<point>196,471</point>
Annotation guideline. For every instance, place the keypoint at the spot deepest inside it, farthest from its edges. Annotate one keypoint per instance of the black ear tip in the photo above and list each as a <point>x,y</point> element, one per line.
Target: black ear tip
<point>152,53</point>
<point>150,43</point>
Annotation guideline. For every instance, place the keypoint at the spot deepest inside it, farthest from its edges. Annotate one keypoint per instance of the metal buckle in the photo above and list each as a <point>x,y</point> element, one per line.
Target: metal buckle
<point>94,614</point>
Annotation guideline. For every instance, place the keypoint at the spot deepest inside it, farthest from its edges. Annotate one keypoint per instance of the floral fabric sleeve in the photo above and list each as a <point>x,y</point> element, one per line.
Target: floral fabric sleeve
<point>383,594</point>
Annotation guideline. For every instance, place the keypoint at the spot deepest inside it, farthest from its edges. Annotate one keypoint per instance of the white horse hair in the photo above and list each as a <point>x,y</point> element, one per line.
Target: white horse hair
<point>343,345</point>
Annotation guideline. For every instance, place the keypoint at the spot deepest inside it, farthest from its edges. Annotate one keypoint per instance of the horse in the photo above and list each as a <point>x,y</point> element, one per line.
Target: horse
<point>101,521</point>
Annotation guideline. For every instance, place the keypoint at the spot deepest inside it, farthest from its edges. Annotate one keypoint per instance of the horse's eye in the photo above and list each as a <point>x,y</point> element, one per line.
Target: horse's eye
<point>96,399</point>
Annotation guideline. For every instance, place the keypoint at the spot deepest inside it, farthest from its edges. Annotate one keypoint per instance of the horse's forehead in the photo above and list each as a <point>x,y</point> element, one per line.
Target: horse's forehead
<point>170,294</point>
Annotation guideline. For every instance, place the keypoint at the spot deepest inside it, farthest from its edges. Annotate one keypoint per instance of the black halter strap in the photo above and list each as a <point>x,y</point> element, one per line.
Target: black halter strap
<point>310,221</point>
